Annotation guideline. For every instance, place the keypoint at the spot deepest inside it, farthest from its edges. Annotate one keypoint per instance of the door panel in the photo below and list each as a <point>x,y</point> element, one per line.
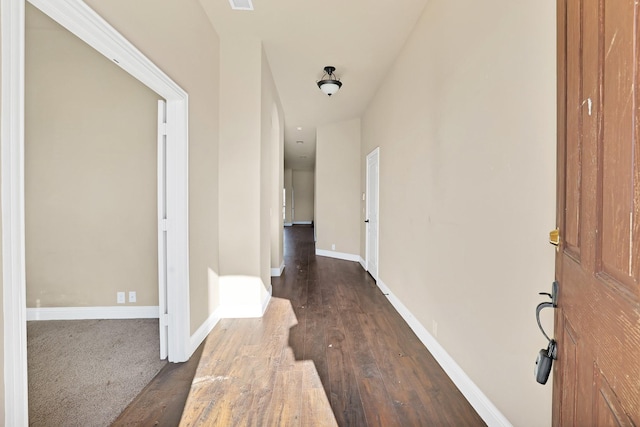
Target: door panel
<point>618,126</point>
<point>567,356</point>
<point>597,375</point>
<point>162,231</point>
<point>373,170</point>
<point>609,411</point>
<point>573,175</point>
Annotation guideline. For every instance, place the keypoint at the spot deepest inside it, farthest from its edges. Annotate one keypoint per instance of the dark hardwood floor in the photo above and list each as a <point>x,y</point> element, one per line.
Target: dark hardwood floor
<point>162,401</point>
<point>373,369</point>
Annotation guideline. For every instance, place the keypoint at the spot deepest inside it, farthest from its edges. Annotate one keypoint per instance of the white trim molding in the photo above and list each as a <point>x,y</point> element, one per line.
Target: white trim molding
<point>277,272</point>
<point>338,255</point>
<point>288,224</point>
<point>302,222</point>
<point>363,263</point>
<point>266,299</point>
<point>201,333</point>
<point>480,402</point>
<point>87,313</point>
<point>12,195</point>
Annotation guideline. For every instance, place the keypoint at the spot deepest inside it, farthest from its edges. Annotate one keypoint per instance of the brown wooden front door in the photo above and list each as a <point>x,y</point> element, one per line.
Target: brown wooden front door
<point>597,374</point>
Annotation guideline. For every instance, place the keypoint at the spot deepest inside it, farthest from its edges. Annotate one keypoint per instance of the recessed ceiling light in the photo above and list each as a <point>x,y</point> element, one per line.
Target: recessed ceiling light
<point>299,142</point>
<point>299,128</point>
<point>241,4</point>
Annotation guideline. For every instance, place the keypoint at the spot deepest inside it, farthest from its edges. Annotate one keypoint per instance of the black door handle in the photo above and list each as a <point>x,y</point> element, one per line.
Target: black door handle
<point>366,220</point>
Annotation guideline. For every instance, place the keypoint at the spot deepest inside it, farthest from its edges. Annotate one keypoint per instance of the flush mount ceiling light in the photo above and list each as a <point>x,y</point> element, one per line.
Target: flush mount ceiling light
<point>331,83</point>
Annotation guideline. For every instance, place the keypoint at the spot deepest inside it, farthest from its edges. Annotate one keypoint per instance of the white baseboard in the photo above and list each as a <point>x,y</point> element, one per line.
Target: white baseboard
<point>277,272</point>
<point>480,402</point>
<point>288,224</point>
<point>363,263</point>
<point>201,333</point>
<point>86,313</point>
<point>338,255</point>
<point>266,300</point>
<point>302,222</point>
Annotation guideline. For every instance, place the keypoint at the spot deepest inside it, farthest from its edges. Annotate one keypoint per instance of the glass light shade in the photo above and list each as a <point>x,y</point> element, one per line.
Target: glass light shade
<point>329,87</point>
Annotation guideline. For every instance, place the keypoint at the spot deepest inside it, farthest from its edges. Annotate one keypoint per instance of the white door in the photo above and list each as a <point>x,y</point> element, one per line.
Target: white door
<point>373,168</point>
<point>162,228</point>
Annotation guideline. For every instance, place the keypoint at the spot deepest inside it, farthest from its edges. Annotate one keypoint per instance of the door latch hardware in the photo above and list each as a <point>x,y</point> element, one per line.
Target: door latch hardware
<point>554,237</point>
<point>553,295</point>
<point>545,358</point>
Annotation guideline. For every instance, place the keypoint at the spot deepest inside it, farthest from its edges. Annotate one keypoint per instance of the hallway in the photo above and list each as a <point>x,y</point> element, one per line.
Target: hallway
<point>373,368</point>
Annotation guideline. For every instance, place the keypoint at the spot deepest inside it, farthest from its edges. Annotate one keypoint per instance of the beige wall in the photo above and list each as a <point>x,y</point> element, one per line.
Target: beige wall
<point>240,157</point>
<point>273,167</point>
<point>466,128</point>
<point>302,182</point>
<point>288,186</point>
<point>182,42</point>
<point>338,195</point>
<point>250,142</point>
<point>90,174</point>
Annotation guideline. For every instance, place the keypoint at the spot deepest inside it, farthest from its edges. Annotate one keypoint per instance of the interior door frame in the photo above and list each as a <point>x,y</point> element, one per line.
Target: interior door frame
<point>374,152</point>
<point>86,24</point>
<point>163,315</point>
<point>561,100</point>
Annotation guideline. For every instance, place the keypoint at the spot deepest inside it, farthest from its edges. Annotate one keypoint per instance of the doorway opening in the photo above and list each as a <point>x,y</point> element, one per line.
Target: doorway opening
<point>80,20</point>
<point>371,221</point>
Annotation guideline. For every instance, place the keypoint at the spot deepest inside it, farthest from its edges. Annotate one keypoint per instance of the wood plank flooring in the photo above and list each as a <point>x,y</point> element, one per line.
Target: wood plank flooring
<point>248,376</point>
<point>349,360</point>
<point>350,349</point>
<point>162,401</point>
<point>374,368</point>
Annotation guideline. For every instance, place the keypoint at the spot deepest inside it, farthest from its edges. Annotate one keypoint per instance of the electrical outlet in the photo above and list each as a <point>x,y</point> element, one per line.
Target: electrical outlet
<point>120,296</point>
<point>132,296</point>
<point>333,247</point>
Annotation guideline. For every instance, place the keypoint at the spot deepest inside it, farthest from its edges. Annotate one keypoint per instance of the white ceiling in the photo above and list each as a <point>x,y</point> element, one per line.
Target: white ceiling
<point>361,38</point>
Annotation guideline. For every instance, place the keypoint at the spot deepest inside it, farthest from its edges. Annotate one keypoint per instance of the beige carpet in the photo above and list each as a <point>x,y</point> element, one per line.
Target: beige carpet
<point>86,372</point>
